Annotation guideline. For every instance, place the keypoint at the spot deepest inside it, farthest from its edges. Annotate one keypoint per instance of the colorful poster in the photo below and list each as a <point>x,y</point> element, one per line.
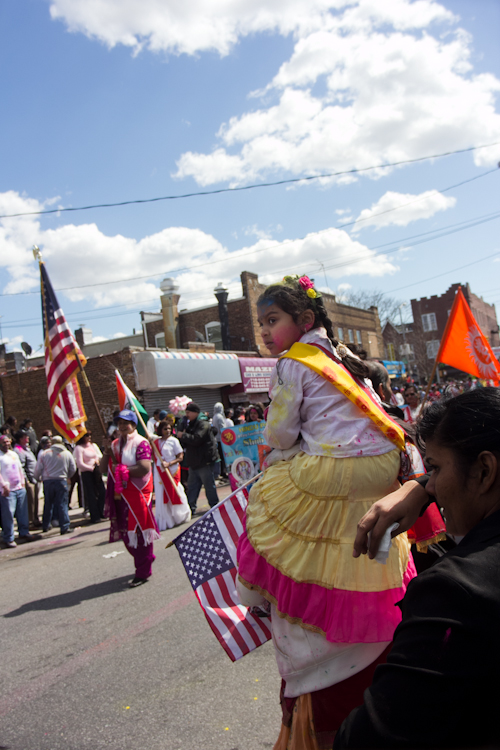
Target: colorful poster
<point>244,450</point>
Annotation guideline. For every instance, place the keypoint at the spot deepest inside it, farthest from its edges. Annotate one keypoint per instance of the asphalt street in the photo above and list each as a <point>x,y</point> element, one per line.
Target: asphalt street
<point>87,663</point>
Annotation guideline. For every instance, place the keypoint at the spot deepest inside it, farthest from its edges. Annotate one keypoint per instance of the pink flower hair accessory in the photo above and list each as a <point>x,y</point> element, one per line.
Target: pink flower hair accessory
<point>306,283</point>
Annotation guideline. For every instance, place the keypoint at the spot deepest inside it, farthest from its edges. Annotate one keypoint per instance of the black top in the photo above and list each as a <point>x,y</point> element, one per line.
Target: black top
<point>441,684</point>
<point>199,444</point>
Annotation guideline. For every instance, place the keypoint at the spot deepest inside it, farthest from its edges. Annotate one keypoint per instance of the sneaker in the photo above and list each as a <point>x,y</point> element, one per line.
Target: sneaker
<point>10,545</point>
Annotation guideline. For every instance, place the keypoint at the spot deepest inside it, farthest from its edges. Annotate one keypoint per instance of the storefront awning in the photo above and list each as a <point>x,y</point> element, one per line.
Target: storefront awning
<point>185,369</point>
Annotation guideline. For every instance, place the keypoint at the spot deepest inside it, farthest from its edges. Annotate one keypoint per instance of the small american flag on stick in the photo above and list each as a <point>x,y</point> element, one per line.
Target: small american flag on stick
<point>208,552</point>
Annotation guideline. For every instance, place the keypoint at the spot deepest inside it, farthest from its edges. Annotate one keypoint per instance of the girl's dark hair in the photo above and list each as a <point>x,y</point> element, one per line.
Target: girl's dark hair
<point>161,425</point>
<point>467,424</point>
<point>294,301</point>
<point>256,407</point>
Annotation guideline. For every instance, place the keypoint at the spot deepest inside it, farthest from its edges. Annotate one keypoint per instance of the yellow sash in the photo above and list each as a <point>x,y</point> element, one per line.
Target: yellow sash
<point>312,357</point>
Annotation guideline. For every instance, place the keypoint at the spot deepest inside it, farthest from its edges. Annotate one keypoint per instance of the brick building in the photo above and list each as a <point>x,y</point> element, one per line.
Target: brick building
<point>202,325</point>
<point>418,342</point>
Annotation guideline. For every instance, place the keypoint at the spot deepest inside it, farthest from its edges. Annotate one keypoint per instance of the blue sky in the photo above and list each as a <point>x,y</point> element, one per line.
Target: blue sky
<point>106,102</point>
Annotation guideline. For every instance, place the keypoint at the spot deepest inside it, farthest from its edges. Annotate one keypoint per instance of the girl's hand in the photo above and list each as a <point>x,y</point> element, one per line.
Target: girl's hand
<point>165,464</point>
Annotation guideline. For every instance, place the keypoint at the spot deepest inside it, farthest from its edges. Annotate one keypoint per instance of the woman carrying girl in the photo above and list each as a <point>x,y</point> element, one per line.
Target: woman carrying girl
<point>171,505</point>
<point>335,452</point>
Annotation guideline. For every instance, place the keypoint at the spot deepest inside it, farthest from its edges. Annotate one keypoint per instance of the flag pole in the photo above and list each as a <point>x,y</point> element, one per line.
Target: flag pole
<point>86,381</point>
<point>152,444</point>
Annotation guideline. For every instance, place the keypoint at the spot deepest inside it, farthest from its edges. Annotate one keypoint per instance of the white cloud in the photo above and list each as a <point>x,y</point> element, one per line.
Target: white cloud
<point>82,257</point>
<point>387,92</point>
<point>188,27</point>
<point>402,208</point>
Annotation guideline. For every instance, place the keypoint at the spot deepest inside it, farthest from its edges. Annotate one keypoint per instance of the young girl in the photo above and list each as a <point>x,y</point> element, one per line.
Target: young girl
<point>171,505</point>
<point>335,453</point>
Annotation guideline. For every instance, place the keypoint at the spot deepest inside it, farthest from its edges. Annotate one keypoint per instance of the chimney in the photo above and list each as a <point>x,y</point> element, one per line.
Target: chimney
<point>169,302</point>
<point>83,336</point>
<point>221,293</point>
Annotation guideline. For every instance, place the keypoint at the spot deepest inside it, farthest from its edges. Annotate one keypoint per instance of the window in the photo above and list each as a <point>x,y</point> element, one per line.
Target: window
<point>432,349</point>
<point>429,322</point>
<point>358,337</point>
<point>160,340</point>
<point>350,335</point>
<point>341,334</point>
<point>213,334</point>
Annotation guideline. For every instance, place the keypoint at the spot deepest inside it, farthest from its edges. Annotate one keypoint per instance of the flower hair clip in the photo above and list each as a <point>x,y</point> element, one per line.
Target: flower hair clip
<point>342,350</point>
<point>305,283</point>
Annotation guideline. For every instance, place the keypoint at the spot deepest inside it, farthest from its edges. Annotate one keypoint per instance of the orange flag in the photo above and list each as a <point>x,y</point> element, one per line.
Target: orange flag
<point>464,345</point>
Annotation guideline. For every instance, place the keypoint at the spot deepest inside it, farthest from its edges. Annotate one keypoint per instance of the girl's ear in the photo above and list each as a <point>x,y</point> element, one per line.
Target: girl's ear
<point>306,320</point>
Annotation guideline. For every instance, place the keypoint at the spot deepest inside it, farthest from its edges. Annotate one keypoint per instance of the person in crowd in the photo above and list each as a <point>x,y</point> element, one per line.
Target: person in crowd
<point>28,462</point>
<point>201,456</point>
<point>412,404</point>
<point>239,415</point>
<point>398,396</point>
<point>27,426</point>
<point>152,423</point>
<point>9,427</point>
<point>127,462</point>
<point>13,499</point>
<point>112,428</point>
<point>171,504</point>
<point>219,423</point>
<point>55,466</point>
<point>229,414</point>
<point>334,452</point>
<point>438,687</point>
<point>45,442</point>
<point>254,413</point>
<point>87,457</point>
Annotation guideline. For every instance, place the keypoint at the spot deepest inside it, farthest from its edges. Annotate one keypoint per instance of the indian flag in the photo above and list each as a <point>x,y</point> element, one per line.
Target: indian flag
<point>127,400</point>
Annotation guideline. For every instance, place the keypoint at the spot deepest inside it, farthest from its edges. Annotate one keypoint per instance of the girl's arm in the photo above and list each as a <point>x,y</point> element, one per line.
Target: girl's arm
<point>283,417</point>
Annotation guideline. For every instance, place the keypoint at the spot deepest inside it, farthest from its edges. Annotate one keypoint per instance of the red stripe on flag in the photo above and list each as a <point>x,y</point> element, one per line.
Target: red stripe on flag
<point>230,626</point>
<point>241,616</point>
<point>229,525</point>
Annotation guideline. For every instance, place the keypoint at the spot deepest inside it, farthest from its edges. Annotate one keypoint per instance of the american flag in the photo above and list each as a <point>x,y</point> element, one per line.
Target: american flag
<point>208,553</point>
<point>61,366</point>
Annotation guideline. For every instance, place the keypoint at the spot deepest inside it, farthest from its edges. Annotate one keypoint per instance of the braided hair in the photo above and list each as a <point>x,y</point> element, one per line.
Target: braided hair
<point>293,299</point>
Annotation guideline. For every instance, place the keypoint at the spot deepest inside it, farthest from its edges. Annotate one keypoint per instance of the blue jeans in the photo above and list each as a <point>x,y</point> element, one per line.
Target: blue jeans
<point>15,505</point>
<point>56,497</point>
<point>198,477</point>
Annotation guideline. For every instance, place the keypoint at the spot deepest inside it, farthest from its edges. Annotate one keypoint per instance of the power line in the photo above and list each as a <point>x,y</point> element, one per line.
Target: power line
<point>307,178</point>
<point>439,275</point>
<point>236,256</point>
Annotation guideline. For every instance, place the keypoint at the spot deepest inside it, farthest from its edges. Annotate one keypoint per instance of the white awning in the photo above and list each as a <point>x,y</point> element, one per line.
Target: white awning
<point>184,369</point>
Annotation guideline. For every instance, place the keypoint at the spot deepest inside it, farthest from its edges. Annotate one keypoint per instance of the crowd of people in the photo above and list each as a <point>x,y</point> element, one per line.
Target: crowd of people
<point>367,641</point>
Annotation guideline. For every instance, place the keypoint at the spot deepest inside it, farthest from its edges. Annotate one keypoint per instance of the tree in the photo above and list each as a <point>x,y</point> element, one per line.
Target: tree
<point>388,307</point>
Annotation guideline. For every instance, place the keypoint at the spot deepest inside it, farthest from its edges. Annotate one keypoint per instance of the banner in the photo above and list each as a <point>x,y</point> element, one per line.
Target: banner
<point>244,450</point>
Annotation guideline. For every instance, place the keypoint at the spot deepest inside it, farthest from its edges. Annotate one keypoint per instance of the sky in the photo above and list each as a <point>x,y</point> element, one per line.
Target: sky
<point>106,102</point>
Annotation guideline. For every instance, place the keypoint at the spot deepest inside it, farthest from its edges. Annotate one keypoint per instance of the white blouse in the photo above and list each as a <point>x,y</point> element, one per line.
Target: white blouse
<point>303,403</point>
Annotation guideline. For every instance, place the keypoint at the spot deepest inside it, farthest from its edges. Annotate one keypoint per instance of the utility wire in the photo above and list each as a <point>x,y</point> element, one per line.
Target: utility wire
<point>235,256</point>
<point>249,187</point>
<point>450,270</point>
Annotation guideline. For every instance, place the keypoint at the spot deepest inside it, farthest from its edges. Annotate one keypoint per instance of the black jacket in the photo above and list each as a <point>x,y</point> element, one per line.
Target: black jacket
<point>441,684</point>
<point>200,445</point>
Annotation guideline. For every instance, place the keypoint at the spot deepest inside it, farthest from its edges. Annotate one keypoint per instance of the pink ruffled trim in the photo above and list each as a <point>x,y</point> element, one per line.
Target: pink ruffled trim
<point>343,616</point>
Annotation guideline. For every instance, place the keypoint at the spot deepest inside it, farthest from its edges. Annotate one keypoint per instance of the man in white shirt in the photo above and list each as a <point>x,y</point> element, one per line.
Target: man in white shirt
<point>152,422</point>
<point>13,499</point>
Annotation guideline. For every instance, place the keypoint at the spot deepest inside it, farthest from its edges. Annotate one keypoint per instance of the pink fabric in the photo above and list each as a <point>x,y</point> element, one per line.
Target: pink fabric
<point>344,616</point>
<point>86,457</point>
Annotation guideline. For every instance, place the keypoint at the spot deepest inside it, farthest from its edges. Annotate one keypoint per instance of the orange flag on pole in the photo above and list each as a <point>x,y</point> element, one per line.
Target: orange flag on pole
<point>464,345</point>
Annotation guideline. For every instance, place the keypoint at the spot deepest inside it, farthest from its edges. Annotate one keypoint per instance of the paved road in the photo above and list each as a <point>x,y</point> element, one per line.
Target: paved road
<point>87,663</point>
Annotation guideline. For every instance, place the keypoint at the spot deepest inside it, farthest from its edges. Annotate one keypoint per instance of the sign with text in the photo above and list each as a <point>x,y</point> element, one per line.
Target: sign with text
<point>244,449</point>
<point>256,374</point>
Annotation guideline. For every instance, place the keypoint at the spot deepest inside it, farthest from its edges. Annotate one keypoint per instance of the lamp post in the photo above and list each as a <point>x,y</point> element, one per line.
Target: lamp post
<point>221,294</point>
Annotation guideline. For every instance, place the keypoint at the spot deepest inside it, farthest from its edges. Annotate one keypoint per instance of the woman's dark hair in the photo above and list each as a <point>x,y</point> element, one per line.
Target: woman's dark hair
<point>467,424</point>
<point>161,425</point>
<point>293,300</point>
<point>19,435</point>
<point>83,439</point>
<point>255,407</point>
